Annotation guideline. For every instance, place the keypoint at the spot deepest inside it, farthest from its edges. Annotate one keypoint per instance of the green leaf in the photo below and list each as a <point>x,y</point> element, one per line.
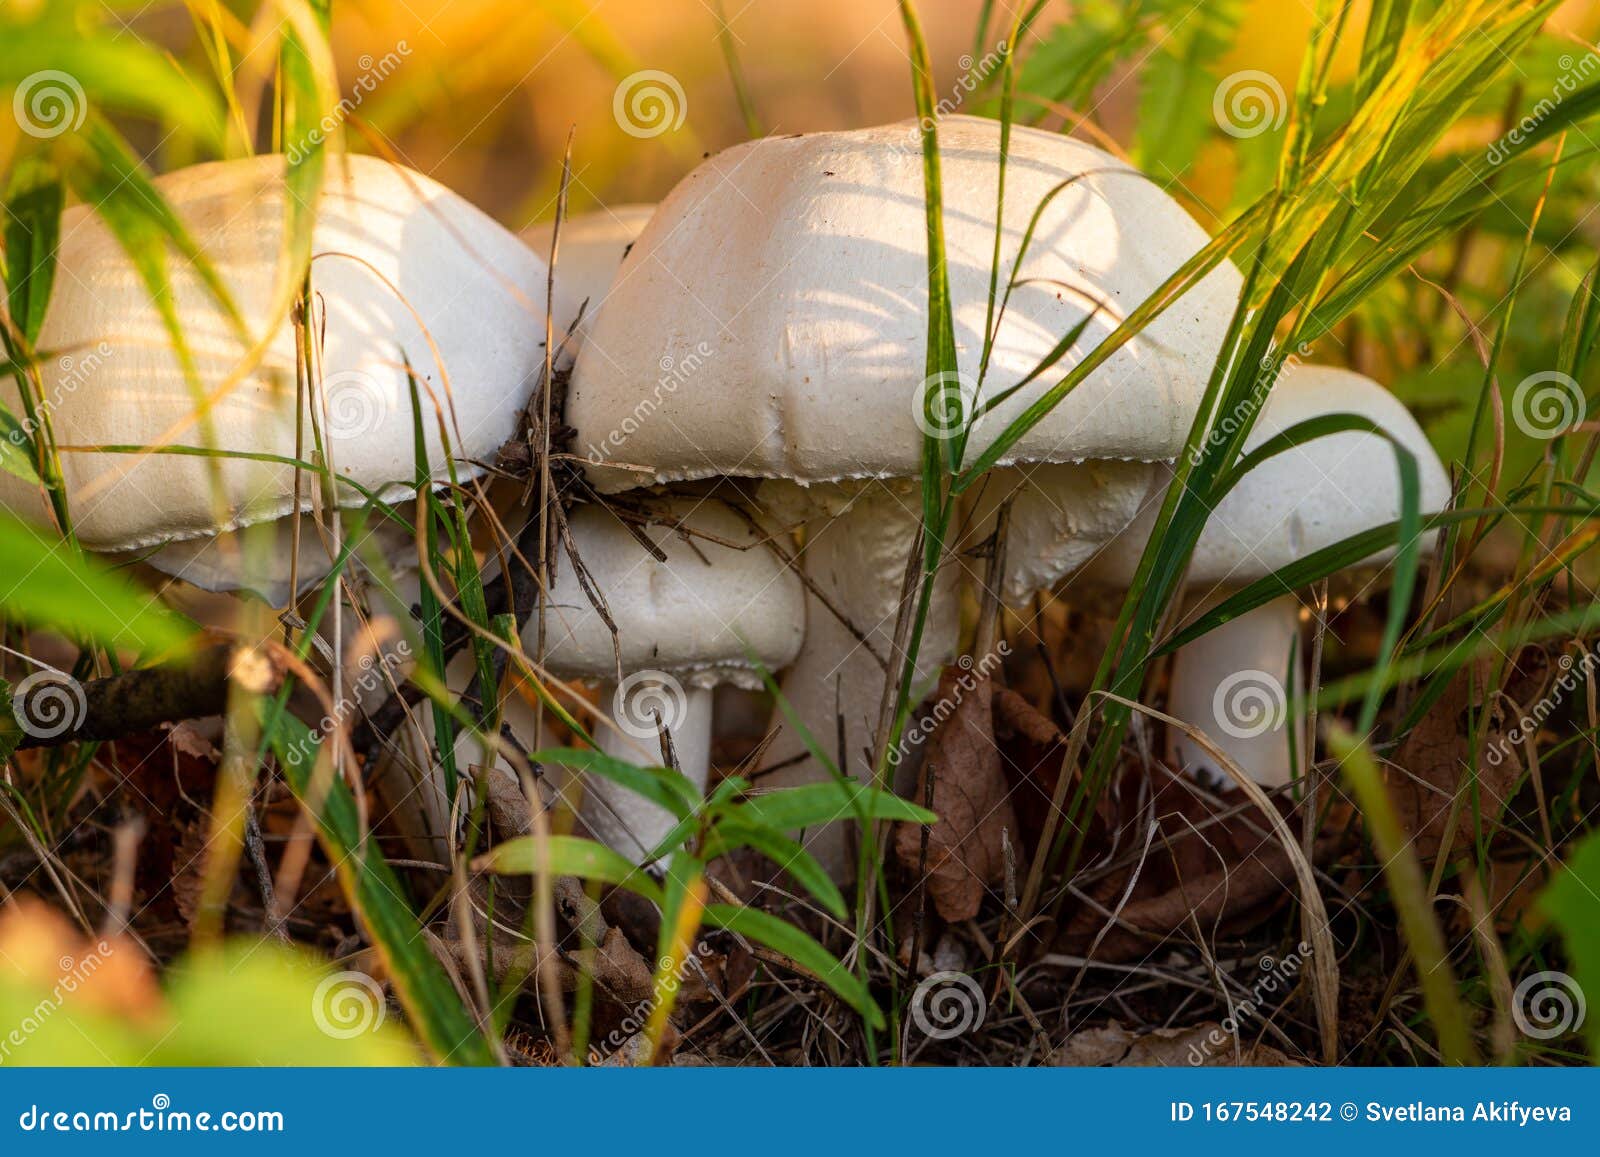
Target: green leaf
<point>1176,83</point>
<point>1077,54</point>
<point>14,442</point>
<point>33,203</point>
<point>60,76</point>
<point>568,856</point>
<point>436,1011</point>
<point>260,1003</point>
<point>787,854</point>
<point>799,947</point>
<point>791,808</point>
<point>48,584</point>
<point>659,785</point>
<point>1573,901</point>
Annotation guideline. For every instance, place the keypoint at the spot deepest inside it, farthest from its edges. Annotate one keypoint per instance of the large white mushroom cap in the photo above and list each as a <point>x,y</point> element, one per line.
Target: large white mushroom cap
<point>1306,498</point>
<point>800,263</point>
<point>399,260</point>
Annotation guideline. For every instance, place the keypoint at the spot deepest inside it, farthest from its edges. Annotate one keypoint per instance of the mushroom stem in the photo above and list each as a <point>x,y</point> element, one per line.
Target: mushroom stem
<point>1240,684</point>
<point>857,560</point>
<point>623,819</point>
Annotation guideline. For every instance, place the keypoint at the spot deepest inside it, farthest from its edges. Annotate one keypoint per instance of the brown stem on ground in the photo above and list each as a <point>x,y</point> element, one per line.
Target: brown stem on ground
<point>54,712</point>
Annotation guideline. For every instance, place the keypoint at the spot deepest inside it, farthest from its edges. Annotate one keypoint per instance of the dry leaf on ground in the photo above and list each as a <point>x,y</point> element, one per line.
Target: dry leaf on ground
<point>969,793</point>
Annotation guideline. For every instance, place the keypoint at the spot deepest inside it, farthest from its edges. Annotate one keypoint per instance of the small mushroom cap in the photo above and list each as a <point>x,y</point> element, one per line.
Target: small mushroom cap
<point>700,616</point>
<point>791,273</point>
<point>477,292</point>
<point>592,247</point>
<point>1308,497</point>
<point>258,558</point>
<point>1062,517</point>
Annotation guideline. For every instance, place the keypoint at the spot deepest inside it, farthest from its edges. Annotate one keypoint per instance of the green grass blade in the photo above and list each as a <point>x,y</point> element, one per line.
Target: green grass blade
<point>802,949</point>
<point>49,585</point>
<point>568,856</point>
<point>436,1011</point>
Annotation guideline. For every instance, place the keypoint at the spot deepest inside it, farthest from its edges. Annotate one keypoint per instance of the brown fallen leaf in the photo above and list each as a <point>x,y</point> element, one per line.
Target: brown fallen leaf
<point>1439,758</point>
<point>969,793</point>
<point>1209,866</point>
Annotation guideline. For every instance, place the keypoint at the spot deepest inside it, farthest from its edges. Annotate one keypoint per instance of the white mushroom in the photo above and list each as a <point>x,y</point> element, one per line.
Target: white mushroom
<point>1237,683</point>
<point>805,258</point>
<point>403,269</point>
<point>718,610</point>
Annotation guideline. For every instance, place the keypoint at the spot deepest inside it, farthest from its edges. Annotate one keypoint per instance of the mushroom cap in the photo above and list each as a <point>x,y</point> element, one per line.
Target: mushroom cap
<point>1308,497</point>
<point>476,291</point>
<point>1062,517</point>
<point>261,562</point>
<point>699,616</point>
<point>788,276</point>
<point>592,247</point>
